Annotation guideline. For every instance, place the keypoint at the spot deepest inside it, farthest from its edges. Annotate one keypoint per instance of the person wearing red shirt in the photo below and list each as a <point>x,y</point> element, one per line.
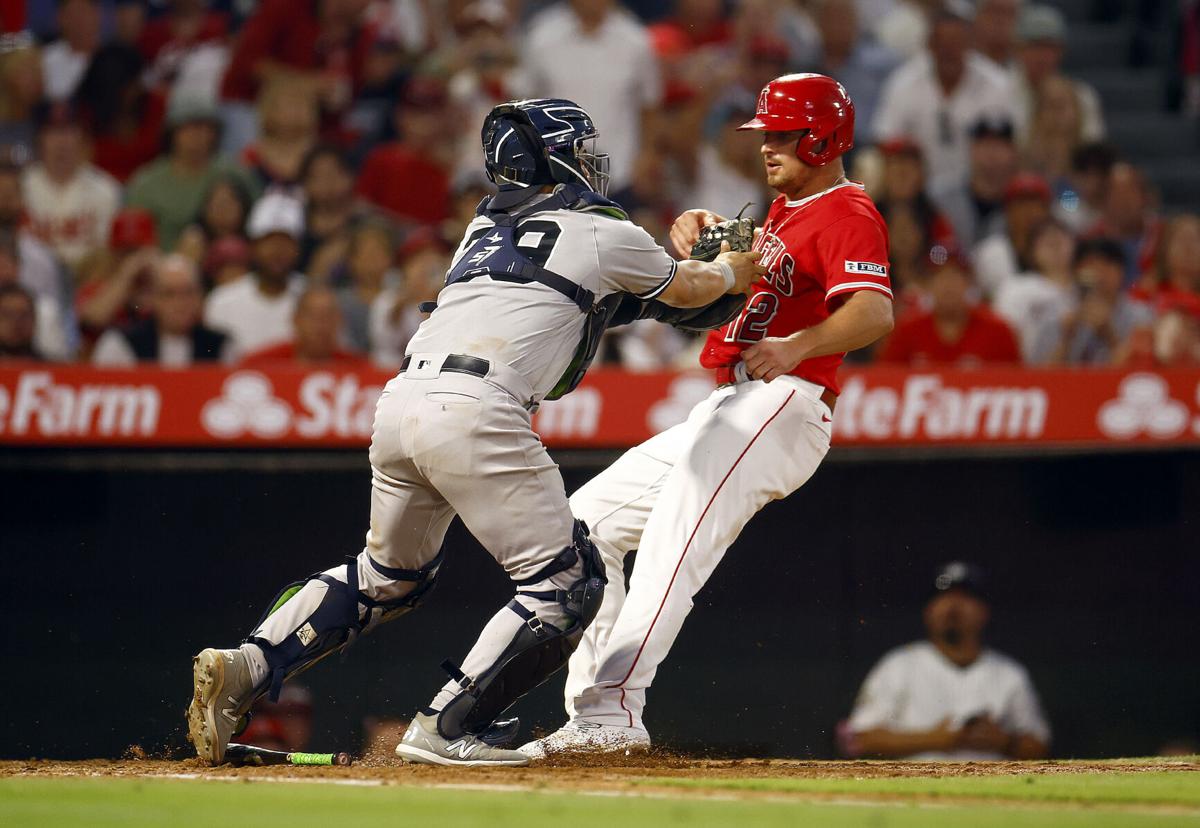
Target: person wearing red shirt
<point>410,178</point>
<point>318,332</point>
<point>954,331</point>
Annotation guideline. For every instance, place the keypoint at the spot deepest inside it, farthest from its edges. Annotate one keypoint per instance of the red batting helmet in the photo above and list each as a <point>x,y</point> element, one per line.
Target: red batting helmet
<point>815,103</point>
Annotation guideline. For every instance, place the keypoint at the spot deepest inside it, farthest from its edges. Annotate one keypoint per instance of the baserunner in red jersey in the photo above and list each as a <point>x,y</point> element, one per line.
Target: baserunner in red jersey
<point>682,497</point>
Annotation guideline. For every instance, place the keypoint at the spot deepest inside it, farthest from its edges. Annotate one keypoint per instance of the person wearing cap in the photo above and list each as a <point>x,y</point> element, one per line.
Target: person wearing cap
<point>256,310</point>
<point>171,335</point>
<point>974,206</point>
<point>410,178</point>
<point>69,203</point>
<point>948,696</point>
<point>173,186</point>
<point>317,337</point>
<point>955,330</point>
<point>1041,33</point>
<point>936,97</point>
<point>1001,256</point>
<point>116,282</point>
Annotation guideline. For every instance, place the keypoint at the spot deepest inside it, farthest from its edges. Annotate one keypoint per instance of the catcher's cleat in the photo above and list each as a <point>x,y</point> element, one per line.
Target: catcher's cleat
<point>582,736</point>
<point>423,745</point>
<point>222,692</point>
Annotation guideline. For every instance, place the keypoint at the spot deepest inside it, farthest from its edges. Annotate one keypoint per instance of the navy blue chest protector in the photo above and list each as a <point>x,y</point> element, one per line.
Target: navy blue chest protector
<point>494,252</point>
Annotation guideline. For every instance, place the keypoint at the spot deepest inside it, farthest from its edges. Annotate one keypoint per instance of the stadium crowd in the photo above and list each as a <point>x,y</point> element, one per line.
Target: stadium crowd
<point>284,182</point>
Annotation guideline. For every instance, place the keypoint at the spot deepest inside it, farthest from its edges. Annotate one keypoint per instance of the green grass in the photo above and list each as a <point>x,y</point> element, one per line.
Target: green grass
<point>141,803</point>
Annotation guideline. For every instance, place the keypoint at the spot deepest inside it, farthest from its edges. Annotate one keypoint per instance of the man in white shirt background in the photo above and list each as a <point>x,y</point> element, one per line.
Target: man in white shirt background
<point>948,696</point>
<point>256,310</point>
<point>936,97</point>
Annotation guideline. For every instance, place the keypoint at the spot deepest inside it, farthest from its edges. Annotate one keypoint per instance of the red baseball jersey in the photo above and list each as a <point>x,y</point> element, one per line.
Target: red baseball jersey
<point>817,251</point>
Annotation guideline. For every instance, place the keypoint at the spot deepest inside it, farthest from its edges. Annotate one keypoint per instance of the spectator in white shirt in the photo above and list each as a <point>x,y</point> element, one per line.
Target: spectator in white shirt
<point>172,336</point>
<point>256,310</point>
<point>597,54</point>
<point>1035,302</point>
<point>69,203</point>
<point>46,329</point>
<point>65,60</point>
<point>948,697</point>
<point>1001,256</point>
<point>936,97</point>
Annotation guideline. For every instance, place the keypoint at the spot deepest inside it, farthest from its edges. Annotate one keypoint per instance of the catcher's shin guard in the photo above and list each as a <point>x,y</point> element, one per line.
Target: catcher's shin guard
<point>538,649</point>
<point>322,622</point>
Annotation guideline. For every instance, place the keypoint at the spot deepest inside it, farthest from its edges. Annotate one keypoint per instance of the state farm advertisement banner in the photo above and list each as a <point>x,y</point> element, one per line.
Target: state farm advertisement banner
<point>44,405</point>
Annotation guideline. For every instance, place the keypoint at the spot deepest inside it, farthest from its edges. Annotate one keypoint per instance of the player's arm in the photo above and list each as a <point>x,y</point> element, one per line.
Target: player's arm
<point>863,318</point>
<point>699,283</point>
<point>893,744</point>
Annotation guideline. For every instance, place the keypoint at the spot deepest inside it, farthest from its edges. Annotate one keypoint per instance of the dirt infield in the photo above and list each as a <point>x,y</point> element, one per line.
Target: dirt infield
<point>610,772</point>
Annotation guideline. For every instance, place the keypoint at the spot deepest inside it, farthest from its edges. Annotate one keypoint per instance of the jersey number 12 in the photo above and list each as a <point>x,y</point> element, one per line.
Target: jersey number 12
<point>751,325</point>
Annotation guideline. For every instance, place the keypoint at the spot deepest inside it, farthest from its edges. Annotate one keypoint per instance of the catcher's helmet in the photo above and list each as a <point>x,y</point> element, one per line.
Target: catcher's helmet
<point>815,103</point>
<point>543,141</point>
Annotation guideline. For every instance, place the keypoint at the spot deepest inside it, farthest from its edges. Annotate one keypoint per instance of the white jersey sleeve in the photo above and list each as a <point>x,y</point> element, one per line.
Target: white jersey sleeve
<point>1023,713</point>
<point>881,697</point>
<point>630,260</point>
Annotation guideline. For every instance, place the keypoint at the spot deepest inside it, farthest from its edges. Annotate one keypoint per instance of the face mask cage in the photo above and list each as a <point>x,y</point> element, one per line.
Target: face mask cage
<point>594,165</point>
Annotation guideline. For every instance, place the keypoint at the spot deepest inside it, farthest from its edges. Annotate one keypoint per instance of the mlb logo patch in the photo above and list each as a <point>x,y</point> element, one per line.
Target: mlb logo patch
<point>866,268</point>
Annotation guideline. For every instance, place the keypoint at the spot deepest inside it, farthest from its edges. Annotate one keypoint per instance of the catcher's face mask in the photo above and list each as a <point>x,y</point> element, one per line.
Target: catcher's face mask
<point>593,165</point>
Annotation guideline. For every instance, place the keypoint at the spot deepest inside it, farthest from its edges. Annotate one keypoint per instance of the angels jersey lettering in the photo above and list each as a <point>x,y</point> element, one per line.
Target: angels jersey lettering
<point>817,251</point>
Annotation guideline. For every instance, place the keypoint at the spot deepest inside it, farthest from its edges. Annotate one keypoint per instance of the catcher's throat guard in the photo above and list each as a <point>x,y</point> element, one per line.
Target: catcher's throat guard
<point>537,651</point>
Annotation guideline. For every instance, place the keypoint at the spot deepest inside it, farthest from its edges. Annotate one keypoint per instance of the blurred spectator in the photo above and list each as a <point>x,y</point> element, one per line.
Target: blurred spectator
<point>949,697</point>
<point>117,281</point>
<point>422,158</point>
<point>787,20</point>
<point>953,331</point>
<point>395,315</point>
<point>854,59</point>
<point>40,272</point>
<point>284,725</point>
<point>20,91</point>
<point>184,48</point>
<point>68,202</point>
<point>327,179</point>
<point>172,187</point>
<point>128,21</point>
<point>470,187</point>
<point>65,60</point>
<point>699,23</point>
<point>1173,341</point>
<point>1036,301</point>
<point>287,133</point>
<point>18,318</point>
<point>1079,205</point>
<point>1001,256</point>
<point>903,25</point>
<point>936,98</point>
<point>1129,217</point>
<point>317,326</point>
<point>172,335</point>
<point>1042,34</point>
<point>125,118</point>
<point>1055,133</point>
<point>995,30</point>
<point>256,310</point>
<point>370,266</point>
<point>1098,331</point>
<point>321,45</point>
<point>729,169</point>
<point>1189,59</point>
<point>973,205</point>
<point>597,54</point>
<point>226,260</point>
<point>1176,276</point>
<point>222,215</point>
<point>915,225</point>
<point>46,336</point>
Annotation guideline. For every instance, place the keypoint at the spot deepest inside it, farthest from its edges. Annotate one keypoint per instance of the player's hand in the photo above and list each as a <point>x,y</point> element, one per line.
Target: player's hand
<point>686,229</point>
<point>772,357</point>
<point>984,734</point>
<point>746,269</point>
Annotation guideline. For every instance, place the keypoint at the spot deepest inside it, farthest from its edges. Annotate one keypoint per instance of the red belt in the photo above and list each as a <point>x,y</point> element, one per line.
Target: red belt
<point>727,374</point>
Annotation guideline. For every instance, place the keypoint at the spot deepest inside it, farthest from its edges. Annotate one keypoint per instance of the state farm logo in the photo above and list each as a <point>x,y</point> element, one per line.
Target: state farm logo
<point>326,405</point>
<point>925,407</point>
<point>1143,405</point>
<point>41,406</point>
<point>575,415</point>
<point>247,404</point>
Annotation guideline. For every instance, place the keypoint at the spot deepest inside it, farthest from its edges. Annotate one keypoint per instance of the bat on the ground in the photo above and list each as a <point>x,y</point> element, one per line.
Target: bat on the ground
<point>251,755</point>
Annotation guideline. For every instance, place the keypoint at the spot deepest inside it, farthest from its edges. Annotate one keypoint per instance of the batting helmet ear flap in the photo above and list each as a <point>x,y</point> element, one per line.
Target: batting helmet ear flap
<point>513,150</point>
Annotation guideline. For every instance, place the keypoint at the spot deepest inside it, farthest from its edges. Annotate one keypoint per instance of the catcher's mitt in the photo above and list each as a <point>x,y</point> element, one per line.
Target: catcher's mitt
<point>739,232</point>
